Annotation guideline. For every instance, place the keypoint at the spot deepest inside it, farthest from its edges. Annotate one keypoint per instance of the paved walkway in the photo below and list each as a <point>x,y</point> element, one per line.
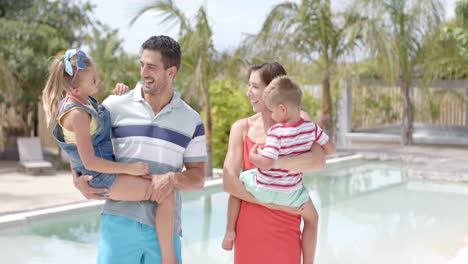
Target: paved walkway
<point>425,162</point>
<point>20,192</point>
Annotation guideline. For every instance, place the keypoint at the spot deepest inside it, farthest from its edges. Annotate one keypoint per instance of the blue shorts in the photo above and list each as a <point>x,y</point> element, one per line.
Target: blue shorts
<point>125,241</point>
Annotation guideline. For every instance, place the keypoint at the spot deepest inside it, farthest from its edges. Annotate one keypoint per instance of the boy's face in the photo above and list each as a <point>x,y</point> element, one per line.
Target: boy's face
<point>278,111</point>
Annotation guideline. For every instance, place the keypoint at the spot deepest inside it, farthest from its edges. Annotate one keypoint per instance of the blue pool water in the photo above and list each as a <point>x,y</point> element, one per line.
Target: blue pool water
<point>369,213</point>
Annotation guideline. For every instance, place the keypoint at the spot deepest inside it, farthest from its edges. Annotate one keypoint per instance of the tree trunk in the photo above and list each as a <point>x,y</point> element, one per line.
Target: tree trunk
<point>466,108</point>
<point>208,134</point>
<point>326,105</point>
<point>2,136</point>
<point>407,115</point>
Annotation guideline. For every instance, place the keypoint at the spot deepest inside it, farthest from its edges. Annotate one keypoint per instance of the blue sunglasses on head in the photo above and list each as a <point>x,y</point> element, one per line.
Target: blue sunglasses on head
<point>80,65</point>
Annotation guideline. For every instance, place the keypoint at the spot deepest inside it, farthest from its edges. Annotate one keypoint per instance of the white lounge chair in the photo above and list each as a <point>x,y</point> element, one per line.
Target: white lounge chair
<point>31,157</point>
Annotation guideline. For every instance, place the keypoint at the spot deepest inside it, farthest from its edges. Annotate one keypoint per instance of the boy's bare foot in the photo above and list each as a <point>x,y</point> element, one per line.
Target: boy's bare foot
<point>228,241</point>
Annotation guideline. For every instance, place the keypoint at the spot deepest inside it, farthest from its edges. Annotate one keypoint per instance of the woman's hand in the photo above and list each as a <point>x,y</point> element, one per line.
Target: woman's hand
<point>288,209</point>
<point>120,89</point>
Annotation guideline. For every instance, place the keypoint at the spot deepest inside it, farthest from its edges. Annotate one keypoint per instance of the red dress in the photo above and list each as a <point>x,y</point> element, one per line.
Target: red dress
<point>264,235</point>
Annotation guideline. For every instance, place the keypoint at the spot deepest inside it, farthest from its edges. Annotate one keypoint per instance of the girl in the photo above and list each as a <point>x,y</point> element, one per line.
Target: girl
<point>82,129</point>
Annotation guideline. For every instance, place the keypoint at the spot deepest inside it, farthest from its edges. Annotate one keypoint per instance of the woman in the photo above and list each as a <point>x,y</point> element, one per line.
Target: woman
<point>264,235</point>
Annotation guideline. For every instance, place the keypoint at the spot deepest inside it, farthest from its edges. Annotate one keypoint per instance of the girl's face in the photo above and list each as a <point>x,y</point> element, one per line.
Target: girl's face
<point>255,92</point>
<point>87,83</point>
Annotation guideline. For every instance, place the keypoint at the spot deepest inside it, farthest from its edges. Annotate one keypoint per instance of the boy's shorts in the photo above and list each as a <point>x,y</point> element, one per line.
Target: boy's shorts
<point>295,199</point>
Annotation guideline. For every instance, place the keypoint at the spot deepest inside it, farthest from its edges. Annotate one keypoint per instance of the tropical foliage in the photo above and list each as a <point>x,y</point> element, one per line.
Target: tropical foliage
<point>396,42</point>
<point>311,32</point>
<point>198,54</point>
<point>113,64</point>
<point>394,34</point>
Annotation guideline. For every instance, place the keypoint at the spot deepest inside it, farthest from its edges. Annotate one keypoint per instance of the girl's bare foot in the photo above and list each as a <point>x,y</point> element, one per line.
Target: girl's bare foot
<point>228,241</point>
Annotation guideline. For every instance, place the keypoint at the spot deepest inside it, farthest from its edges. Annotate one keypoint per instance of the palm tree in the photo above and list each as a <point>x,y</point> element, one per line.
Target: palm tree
<point>314,34</point>
<point>8,86</point>
<point>198,54</point>
<point>394,33</point>
<point>106,50</point>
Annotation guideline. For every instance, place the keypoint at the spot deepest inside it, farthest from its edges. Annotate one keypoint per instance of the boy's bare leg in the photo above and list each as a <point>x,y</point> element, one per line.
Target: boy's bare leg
<point>309,234</point>
<point>232,213</point>
<point>165,229</point>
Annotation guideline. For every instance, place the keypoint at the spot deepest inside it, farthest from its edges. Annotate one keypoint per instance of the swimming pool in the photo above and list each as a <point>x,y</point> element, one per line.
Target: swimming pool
<point>369,213</point>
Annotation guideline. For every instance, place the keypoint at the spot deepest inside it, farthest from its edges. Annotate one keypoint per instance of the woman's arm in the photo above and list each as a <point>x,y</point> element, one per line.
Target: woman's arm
<point>310,161</point>
<point>313,160</point>
<point>233,164</point>
<point>79,122</point>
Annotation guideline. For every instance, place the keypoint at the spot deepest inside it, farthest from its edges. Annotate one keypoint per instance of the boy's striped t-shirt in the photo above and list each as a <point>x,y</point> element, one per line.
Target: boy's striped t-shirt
<point>288,140</point>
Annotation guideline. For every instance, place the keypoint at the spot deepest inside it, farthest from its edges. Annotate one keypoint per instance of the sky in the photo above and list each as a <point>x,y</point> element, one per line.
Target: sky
<point>230,19</point>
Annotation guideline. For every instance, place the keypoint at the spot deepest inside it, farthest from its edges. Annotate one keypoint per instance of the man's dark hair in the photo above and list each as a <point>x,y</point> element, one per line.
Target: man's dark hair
<point>169,48</point>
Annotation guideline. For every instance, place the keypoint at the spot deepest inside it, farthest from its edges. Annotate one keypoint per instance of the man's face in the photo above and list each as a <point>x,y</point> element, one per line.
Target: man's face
<point>155,78</point>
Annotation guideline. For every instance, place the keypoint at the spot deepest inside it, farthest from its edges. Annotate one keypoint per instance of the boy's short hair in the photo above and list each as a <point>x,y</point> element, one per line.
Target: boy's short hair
<point>282,90</point>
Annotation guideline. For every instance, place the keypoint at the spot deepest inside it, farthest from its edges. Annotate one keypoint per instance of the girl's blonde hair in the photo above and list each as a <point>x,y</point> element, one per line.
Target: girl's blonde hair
<point>59,82</point>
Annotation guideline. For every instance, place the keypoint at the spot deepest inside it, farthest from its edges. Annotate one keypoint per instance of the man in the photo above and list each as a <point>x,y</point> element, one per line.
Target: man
<point>152,124</point>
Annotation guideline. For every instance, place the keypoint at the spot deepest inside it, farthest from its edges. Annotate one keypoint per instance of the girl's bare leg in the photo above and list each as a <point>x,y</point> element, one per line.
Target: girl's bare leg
<point>232,213</point>
<point>309,234</point>
<point>165,229</point>
<point>130,188</point>
<point>133,188</point>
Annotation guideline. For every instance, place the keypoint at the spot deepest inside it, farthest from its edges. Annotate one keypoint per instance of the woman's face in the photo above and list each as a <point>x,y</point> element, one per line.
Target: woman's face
<point>255,92</point>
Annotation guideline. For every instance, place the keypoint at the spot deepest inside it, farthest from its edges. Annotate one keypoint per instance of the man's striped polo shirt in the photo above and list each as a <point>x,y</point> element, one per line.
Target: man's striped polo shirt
<point>165,141</point>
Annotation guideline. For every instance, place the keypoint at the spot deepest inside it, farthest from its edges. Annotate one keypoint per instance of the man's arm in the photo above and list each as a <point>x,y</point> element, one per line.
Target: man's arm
<point>192,179</point>
<point>82,184</point>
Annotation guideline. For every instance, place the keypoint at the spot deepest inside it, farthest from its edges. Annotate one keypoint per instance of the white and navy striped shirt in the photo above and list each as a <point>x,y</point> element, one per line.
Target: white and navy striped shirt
<point>166,141</point>
<point>288,140</point>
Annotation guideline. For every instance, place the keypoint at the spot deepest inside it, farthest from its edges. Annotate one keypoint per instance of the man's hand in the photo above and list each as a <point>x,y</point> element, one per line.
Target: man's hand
<point>81,183</point>
<point>120,88</point>
<point>162,185</point>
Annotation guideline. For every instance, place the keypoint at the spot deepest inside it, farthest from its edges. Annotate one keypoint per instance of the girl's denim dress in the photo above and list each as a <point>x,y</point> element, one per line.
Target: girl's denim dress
<point>101,142</point>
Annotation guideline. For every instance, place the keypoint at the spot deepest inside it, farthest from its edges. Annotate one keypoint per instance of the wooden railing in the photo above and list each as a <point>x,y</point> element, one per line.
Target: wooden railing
<point>445,104</point>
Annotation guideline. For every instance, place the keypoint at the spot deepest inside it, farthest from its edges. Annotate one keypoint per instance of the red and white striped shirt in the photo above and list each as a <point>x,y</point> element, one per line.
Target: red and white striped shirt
<point>288,140</point>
